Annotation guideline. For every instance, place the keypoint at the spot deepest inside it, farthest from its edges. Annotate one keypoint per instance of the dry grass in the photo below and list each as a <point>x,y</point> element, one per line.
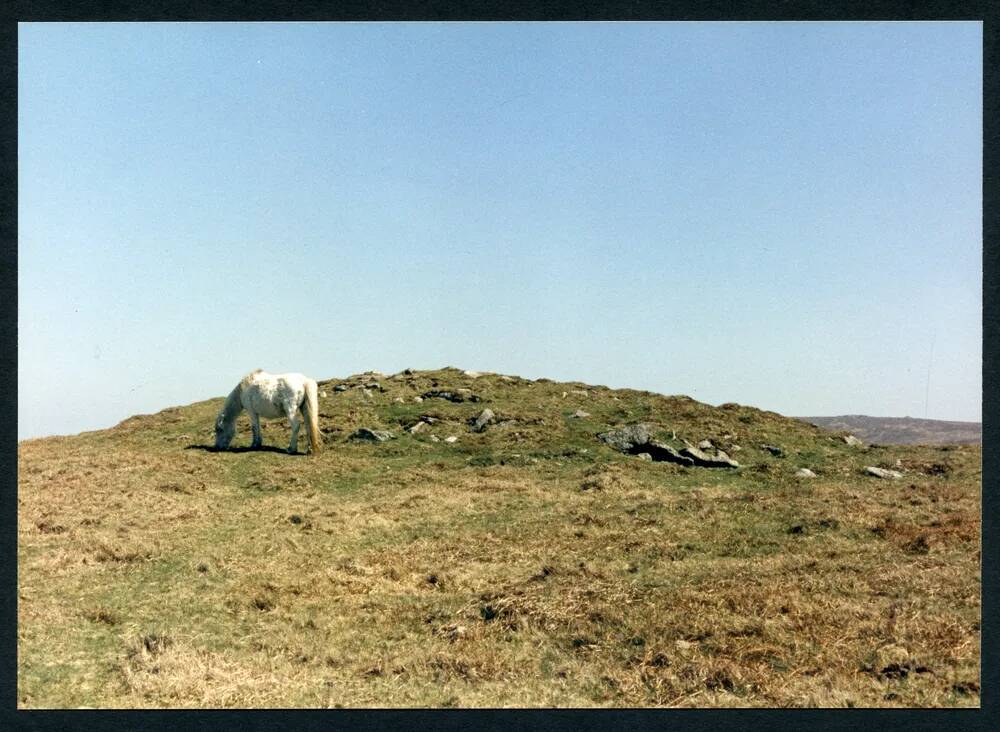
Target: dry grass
<point>525,566</point>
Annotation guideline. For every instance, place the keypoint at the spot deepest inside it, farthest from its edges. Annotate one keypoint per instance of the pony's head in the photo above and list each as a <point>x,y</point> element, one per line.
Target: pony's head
<point>224,430</point>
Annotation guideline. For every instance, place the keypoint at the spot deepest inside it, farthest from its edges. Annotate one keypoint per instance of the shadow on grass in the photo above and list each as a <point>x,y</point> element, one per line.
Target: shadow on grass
<point>262,448</point>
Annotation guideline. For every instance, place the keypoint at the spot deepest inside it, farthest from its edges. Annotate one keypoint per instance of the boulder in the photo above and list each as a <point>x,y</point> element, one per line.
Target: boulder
<point>804,473</point>
<point>661,453</point>
<point>451,396</point>
<point>705,445</point>
<point>627,438</point>
<point>883,473</point>
<point>485,417</point>
<point>371,435</point>
<point>704,460</point>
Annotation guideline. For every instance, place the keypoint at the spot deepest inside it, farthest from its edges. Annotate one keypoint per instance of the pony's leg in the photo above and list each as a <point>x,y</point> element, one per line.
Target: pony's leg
<point>255,423</point>
<point>294,419</point>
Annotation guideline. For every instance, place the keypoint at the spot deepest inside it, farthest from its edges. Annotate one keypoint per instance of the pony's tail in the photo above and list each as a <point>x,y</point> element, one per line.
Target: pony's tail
<point>310,407</point>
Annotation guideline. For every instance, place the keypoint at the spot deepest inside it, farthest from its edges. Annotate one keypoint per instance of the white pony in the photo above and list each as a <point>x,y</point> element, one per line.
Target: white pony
<point>270,395</point>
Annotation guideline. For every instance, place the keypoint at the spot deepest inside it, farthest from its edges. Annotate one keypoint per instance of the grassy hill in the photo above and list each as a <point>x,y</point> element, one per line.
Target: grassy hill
<point>904,430</point>
<point>526,565</point>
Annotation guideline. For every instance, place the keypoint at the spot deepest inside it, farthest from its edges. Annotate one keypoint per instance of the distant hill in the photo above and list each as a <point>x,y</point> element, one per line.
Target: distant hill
<point>903,430</point>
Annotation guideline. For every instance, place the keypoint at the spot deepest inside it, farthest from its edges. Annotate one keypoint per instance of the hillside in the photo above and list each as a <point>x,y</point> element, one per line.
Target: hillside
<point>903,430</point>
<point>529,564</point>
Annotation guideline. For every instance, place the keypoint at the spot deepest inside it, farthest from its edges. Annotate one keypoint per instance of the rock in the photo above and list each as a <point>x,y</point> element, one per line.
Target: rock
<point>418,399</point>
<point>579,414</point>
<point>704,460</point>
<point>416,428</point>
<point>507,378</point>
<point>660,453</point>
<point>451,439</point>
<point>407,372</point>
<point>579,392</point>
<point>371,435</point>
<point>853,441</point>
<point>645,456</point>
<point>472,374</point>
<point>774,450</point>
<point>883,473</point>
<point>485,417</point>
<point>399,400</point>
<point>804,473</point>
<point>373,385</point>
<point>451,396</point>
<point>705,445</point>
<point>735,448</point>
<point>340,387</point>
<point>323,394</point>
<point>627,438</point>
<point>435,438</point>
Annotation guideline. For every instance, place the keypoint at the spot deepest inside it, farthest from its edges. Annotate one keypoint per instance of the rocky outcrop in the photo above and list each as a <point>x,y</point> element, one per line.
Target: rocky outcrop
<point>637,439</point>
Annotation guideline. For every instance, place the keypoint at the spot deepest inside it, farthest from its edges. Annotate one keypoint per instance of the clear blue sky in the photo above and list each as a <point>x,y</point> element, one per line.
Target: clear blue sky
<point>786,215</point>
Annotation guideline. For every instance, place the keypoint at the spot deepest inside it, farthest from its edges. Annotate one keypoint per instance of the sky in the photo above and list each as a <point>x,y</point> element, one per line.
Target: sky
<point>785,215</point>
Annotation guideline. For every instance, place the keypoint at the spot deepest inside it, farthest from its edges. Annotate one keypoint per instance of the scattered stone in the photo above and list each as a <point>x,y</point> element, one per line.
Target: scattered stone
<point>645,456</point>
<point>735,448</point>
<point>853,441</point>
<point>435,438</point>
<point>472,374</point>
<point>367,393</point>
<point>883,473</point>
<point>416,428</point>
<point>705,445</point>
<point>627,438</point>
<point>507,378</point>
<point>323,394</point>
<point>399,400</point>
<point>804,473</point>
<point>373,385</point>
<point>683,644</point>
<point>579,414</point>
<point>704,460</point>
<point>340,387</point>
<point>774,450</point>
<point>451,439</point>
<point>579,392</point>
<point>371,435</point>
<point>485,417</point>
<point>418,399</point>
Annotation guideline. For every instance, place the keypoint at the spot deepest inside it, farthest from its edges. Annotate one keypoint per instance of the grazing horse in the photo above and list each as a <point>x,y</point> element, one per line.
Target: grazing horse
<point>270,395</point>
